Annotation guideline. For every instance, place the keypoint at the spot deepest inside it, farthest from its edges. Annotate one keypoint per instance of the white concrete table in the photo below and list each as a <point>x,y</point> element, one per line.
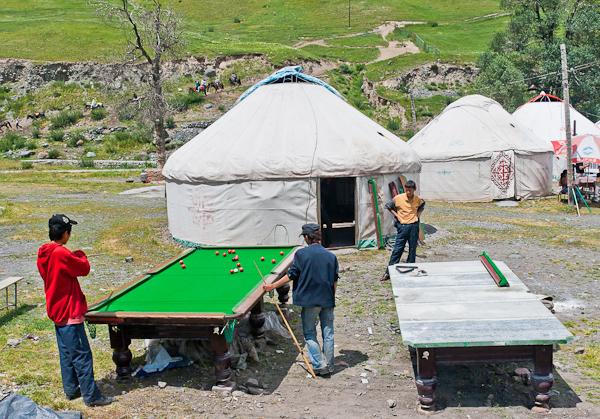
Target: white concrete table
<point>5,284</point>
<point>458,315</point>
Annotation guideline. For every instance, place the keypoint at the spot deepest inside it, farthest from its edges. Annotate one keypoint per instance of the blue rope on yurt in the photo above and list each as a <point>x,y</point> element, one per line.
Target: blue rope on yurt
<point>289,75</point>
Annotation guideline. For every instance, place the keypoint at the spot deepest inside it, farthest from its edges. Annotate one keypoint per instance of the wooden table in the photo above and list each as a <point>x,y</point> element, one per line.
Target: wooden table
<point>5,284</point>
<point>458,315</point>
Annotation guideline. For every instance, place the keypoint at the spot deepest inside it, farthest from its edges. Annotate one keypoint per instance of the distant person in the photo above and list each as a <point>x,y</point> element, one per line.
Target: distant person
<point>197,86</point>
<point>93,104</point>
<point>315,275</point>
<point>597,187</point>
<point>66,306</point>
<point>234,77</point>
<point>406,208</point>
<point>580,168</point>
<point>135,96</point>
<point>204,84</point>
<point>563,184</point>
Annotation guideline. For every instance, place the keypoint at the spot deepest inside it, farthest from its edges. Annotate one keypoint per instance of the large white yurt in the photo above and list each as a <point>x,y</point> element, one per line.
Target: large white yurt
<point>545,116</point>
<point>475,151</point>
<point>291,151</point>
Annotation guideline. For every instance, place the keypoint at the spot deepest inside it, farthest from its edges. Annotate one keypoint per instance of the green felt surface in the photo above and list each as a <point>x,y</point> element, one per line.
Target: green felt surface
<point>204,286</point>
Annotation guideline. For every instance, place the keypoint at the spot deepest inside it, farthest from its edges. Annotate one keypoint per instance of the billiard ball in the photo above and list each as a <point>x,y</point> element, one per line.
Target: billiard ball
<point>229,251</point>
<point>181,262</point>
<point>236,257</point>
<point>182,266</point>
<point>236,270</point>
<point>232,250</point>
<point>241,269</point>
<point>273,261</point>
<point>217,253</point>
<point>262,258</point>
<point>231,271</point>
<point>224,254</point>
<point>281,253</point>
<point>239,264</point>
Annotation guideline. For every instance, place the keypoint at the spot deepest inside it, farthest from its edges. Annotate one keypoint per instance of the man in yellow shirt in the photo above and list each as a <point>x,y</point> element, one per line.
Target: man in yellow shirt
<point>407,208</point>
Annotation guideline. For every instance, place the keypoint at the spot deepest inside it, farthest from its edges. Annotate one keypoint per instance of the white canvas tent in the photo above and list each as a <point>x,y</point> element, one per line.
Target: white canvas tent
<point>475,151</point>
<point>545,116</point>
<point>253,177</point>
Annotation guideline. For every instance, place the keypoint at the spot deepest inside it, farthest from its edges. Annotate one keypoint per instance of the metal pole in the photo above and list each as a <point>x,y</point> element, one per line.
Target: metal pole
<point>349,14</point>
<point>414,114</point>
<point>565,85</point>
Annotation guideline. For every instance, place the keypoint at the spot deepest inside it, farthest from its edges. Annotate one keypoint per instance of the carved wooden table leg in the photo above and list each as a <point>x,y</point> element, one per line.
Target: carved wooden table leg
<point>426,381</point>
<point>222,361</point>
<point>121,353</point>
<point>257,323</point>
<point>284,297</point>
<point>542,378</point>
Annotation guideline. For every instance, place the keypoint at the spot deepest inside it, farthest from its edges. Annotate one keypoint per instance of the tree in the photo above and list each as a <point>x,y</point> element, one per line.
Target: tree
<point>530,46</point>
<point>152,35</point>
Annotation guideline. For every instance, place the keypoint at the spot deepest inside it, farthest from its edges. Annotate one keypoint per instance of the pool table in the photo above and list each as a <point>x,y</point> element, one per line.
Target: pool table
<point>193,295</point>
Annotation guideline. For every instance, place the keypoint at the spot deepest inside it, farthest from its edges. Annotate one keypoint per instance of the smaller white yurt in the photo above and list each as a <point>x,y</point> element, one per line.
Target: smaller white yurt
<point>544,115</point>
<point>290,152</point>
<point>475,151</point>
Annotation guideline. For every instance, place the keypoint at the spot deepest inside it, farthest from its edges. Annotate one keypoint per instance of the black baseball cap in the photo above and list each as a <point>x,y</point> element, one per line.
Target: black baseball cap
<point>310,229</point>
<point>60,221</point>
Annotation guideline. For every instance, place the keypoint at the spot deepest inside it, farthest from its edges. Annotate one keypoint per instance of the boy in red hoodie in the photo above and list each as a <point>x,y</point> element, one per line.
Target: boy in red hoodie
<point>66,306</point>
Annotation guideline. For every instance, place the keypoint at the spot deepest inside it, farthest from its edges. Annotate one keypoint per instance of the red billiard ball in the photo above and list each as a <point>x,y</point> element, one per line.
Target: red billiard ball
<point>231,271</point>
<point>281,253</point>
<point>217,253</point>
<point>224,254</point>
<point>229,251</point>
<point>181,262</point>
<point>241,269</point>
<point>262,258</point>
<point>236,257</point>
<point>273,261</point>
<point>232,250</point>
<point>238,264</point>
<point>183,266</point>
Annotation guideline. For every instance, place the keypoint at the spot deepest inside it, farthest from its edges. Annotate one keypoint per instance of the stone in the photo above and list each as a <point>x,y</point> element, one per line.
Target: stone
<point>507,204</point>
<point>42,155</point>
<point>90,154</point>
<point>579,351</point>
<point>25,153</point>
<point>45,144</point>
<point>391,403</point>
<point>227,399</point>
<point>208,106</point>
<point>238,393</point>
<point>210,72</point>
<point>227,387</point>
<point>515,256</point>
<point>255,391</point>
<point>12,342</point>
<point>129,259</point>
<point>572,241</point>
<point>252,382</point>
<point>80,142</point>
<point>162,384</point>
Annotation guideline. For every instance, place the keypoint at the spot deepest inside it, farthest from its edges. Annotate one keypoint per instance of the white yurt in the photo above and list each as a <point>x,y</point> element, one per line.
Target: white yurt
<point>545,116</point>
<point>475,151</point>
<point>291,151</point>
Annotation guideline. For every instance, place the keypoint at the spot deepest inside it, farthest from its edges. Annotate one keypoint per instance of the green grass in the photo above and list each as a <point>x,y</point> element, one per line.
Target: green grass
<point>378,70</point>
<point>360,55</point>
<point>368,40</point>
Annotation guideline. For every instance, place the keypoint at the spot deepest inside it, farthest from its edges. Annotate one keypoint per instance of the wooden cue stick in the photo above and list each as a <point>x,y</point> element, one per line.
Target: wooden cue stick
<point>576,203</point>
<point>288,326</point>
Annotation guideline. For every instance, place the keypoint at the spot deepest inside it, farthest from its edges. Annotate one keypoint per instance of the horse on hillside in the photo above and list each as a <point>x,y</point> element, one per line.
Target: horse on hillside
<point>199,89</point>
<point>5,125</point>
<point>215,86</point>
<point>235,80</point>
<point>36,115</point>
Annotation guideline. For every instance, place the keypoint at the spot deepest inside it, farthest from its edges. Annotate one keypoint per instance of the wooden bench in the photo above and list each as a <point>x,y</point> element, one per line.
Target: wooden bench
<point>5,284</point>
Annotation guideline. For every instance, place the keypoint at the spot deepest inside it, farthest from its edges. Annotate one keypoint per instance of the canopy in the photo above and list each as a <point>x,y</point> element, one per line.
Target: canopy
<point>586,148</point>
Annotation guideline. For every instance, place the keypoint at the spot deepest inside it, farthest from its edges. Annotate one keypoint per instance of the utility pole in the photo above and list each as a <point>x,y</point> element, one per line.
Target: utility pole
<point>565,85</point>
<point>349,14</point>
<point>414,114</point>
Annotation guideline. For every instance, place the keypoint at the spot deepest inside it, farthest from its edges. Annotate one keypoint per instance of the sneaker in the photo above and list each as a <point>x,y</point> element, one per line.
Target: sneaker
<point>74,396</point>
<point>385,277</point>
<point>322,372</point>
<point>102,401</point>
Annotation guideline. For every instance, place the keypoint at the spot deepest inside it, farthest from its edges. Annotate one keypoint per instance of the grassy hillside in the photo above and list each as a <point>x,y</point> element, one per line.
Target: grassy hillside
<point>69,30</point>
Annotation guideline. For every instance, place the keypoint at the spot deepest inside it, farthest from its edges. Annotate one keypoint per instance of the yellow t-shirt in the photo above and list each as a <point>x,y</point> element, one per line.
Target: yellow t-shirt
<point>407,210</point>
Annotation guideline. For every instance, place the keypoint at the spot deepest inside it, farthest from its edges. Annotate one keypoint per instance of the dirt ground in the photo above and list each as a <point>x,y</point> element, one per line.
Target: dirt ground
<point>549,247</point>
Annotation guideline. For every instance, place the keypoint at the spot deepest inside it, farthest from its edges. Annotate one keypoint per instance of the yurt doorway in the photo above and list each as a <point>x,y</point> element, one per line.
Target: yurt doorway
<point>338,212</point>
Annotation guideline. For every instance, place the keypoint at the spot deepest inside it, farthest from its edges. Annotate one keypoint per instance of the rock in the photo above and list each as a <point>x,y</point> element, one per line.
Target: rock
<point>45,144</point>
<point>255,391</point>
<point>80,142</point>
<point>129,180</point>
<point>210,72</point>
<point>42,155</point>
<point>208,106</point>
<point>10,153</point>
<point>129,259</point>
<point>252,382</point>
<point>227,399</point>
<point>90,154</point>
<point>572,241</point>
<point>12,342</point>
<point>238,393</point>
<point>25,153</point>
<point>579,351</point>
<point>515,256</point>
<point>490,400</point>
<point>391,403</point>
<point>162,384</point>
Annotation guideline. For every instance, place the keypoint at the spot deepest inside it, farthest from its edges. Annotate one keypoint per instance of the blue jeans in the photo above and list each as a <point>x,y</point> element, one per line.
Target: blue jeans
<point>76,363</point>
<point>406,232</point>
<point>319,359</point>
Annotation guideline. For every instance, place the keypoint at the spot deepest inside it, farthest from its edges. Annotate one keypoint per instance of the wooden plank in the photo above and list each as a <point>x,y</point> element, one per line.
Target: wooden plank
<point>9,281</point>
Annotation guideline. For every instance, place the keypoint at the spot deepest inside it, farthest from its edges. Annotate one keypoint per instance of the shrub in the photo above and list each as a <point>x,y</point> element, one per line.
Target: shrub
<point>11,141</point>
<point>65,118</point>
<point>360,67</point>
<point>37,123</point>
<point>110,148</point>
<point>432,23</point>
<point>35,132</point>
<point>434,67</point>
<point>20,142</point>
<point>31,145</point>
<point>57,135</point>
<point>408,134</point>
<point>345,68</point>
<point>236,20</point>
<point>86,162</point>
<point>170,122</point>
<point>221,107</point>
<point>74,137</point>
<point>98,114</point>
<point>443,86</point>
<point>211,29</point>
<point>54,154</point>
<point>393,125</point>
<point>26,165</point>
<point>184,102</point>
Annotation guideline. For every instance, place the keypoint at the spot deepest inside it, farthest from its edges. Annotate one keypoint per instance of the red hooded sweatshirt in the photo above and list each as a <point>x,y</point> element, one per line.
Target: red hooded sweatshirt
<point>59,268</point>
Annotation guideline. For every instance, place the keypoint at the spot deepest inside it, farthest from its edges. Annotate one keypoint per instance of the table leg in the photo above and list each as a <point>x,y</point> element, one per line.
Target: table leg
<point>222,361</point>
<point>257,323</point>
<point>15,296</point>
<point>121,353</point>
<point>284,297</point>
<point>426,381</point>
<point>542,378</point>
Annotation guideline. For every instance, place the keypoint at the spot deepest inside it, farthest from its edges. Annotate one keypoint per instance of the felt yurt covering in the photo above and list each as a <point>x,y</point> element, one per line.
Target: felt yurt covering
<point>252,177</point>
<point>475,151</point>
<point>545,116</point>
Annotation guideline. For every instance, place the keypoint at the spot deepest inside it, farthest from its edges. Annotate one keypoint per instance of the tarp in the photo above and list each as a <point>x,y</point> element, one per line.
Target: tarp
<point>17,406</point>
<point>467,150</point>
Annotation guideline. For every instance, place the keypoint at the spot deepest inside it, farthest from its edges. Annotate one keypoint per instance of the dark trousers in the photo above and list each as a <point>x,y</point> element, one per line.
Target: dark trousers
<point>406,232</point>
<point>76,363</point>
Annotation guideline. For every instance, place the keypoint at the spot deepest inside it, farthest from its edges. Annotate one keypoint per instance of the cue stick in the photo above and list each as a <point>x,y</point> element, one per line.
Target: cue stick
<point>288,326</point>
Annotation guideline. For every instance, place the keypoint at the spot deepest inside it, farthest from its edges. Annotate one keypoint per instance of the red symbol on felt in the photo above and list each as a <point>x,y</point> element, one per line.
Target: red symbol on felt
<point>502,171</point>
<point>203,212</point>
